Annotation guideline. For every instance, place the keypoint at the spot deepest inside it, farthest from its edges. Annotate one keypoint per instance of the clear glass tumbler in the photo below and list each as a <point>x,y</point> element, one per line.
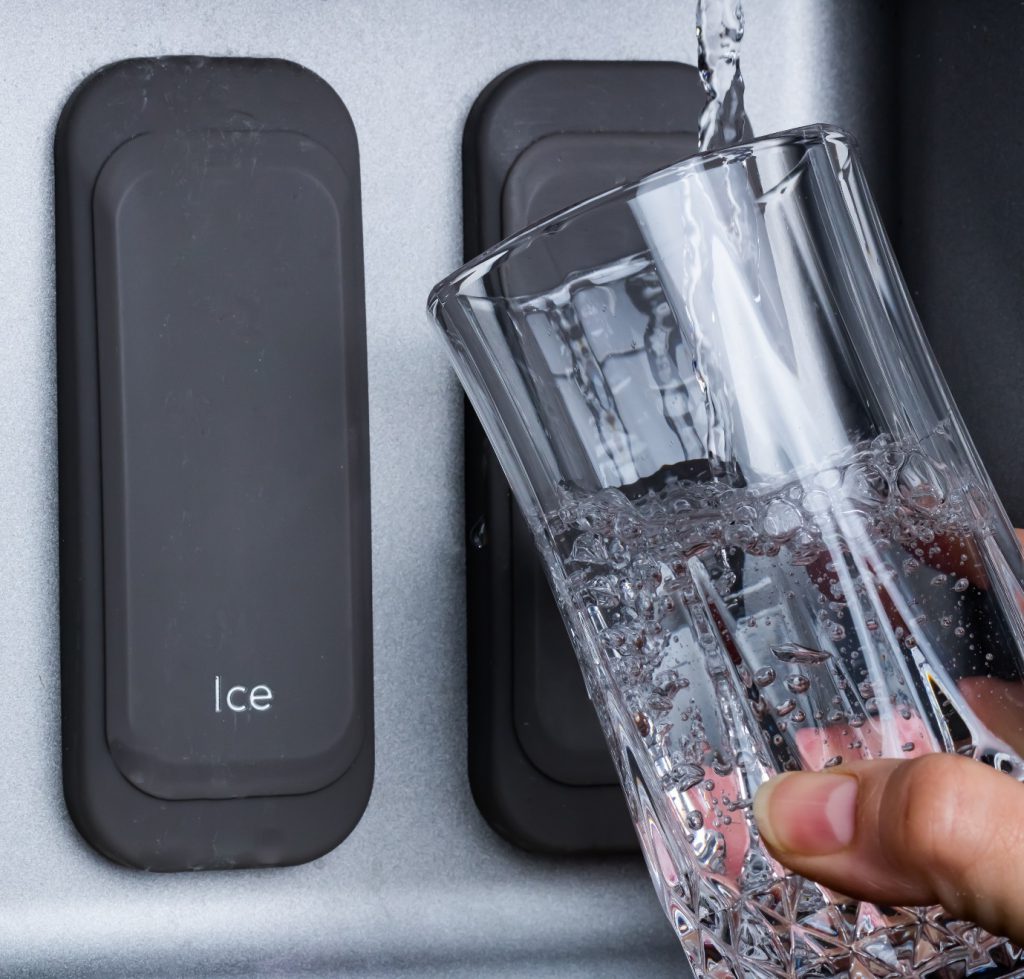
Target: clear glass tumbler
<point>767,529</point>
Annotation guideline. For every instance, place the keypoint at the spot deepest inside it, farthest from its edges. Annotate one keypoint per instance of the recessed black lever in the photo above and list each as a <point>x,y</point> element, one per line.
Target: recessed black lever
<point>213,464</point>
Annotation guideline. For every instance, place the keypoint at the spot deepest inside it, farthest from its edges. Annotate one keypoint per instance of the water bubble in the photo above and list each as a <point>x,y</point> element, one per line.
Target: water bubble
<point>799,716</point>
<point>786,707</point>
<point>618,555</point>
<point>924,498</point>
<point>892,458</point>
<point>782,519</point>
<point>798,683</point>
<point>588,549</point>
<point>959,632</point>
<point>817,501</point>
<point>685,777</point>
<point>694,820</point>
<point>907,746</point>
<point>709,784</point>
<point>940,579</point>
<point>764,676</point>
<point>614,639</point>
<point>659,704</point>
<point>647,575</point>
<point>721,766</point>
<point>628,527</point>
<point>792,652</point>
<point>836,632</point>
<point>903,533</point>
<point>833,761</point>
<point>962,584</point>
<point>946,621</point>
<point>745,513</point>
<point>865,484</point>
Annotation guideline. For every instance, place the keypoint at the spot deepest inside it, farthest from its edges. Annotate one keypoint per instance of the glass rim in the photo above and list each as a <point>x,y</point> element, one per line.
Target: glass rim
<point>813,133</point>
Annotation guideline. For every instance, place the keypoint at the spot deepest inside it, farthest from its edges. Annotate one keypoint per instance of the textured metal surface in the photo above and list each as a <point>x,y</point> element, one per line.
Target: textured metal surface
<point>422,887</point>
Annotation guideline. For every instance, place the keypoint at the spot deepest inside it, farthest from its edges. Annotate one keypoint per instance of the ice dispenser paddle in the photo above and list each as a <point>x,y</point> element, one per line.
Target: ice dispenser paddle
<point>214,497</point>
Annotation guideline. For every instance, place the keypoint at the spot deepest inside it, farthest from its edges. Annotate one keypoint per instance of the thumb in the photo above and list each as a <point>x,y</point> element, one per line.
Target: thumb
<point>940,829</point>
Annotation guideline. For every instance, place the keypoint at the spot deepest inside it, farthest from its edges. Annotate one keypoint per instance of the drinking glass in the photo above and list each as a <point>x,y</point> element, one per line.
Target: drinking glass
<point>770,536</point>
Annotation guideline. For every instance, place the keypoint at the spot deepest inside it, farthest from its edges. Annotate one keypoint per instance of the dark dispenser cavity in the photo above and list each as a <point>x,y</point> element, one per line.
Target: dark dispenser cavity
<point>541,137</point>
<point>959,195</point>
<point>215,562</point>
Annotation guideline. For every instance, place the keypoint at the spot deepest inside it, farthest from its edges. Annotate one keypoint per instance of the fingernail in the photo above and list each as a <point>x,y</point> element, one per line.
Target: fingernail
<point>807,813</point>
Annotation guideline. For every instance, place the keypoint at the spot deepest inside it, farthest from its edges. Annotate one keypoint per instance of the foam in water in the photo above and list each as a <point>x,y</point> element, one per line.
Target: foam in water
<point>746,632</point>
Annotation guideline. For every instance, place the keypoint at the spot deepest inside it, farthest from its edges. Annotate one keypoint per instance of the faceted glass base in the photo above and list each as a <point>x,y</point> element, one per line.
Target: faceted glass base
<point>791,929</point>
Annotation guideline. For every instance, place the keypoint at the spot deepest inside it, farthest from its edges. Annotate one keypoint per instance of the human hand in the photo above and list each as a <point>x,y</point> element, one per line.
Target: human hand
<point>937,829</point>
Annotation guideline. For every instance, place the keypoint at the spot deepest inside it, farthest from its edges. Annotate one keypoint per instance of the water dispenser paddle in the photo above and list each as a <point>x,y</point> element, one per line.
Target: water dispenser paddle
<point>539,138</point>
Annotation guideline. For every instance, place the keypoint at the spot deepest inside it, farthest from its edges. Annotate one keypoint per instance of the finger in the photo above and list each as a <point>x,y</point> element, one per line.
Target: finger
<point>934,830</point>
<point>999,704</point>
